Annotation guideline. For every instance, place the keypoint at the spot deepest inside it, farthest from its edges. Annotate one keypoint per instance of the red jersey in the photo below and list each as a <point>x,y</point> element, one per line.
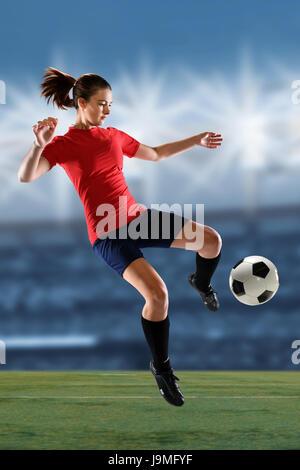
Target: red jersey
<point>93,160</point>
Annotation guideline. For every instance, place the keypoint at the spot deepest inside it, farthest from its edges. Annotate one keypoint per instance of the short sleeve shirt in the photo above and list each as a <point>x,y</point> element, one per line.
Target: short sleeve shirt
<point>93,160</point>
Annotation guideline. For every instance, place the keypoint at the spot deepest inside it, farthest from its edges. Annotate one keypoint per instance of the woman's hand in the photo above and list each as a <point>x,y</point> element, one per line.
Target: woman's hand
<point>44,131</point>
<point>209,140</point>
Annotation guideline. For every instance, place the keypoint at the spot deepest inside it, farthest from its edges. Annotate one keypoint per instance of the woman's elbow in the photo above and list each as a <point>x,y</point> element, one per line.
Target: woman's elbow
<point>22,179</point>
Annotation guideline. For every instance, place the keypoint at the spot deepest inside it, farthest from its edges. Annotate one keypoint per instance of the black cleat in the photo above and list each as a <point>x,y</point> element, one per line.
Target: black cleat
<point>209,297</point>
<point>167,385</point>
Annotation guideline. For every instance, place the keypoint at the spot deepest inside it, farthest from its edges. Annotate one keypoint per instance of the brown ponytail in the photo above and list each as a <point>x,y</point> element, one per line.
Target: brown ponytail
<point>57,86</point>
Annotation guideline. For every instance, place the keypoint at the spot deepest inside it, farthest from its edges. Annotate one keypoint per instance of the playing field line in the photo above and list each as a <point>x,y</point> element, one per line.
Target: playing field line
<point>92,384</point>
<point>139,384</point>
<point>249,396</point>
<point>48,397</point>
<point>38,397</point>
<point>112,373</point>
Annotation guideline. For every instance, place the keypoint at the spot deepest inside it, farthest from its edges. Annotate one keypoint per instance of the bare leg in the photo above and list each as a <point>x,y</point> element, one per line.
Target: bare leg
<point>210,243</point>
<point>141,275</point>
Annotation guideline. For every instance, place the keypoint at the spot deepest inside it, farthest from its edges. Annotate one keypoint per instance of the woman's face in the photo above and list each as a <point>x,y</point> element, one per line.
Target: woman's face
<point>97,108</point>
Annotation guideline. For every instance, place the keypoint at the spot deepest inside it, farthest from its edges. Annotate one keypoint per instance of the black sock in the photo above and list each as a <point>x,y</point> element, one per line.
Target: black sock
<point>157,336</point>
<point>205,267</point>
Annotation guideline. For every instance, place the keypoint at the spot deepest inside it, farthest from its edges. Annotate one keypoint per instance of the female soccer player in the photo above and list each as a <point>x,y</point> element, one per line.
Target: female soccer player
<point>92,157</point>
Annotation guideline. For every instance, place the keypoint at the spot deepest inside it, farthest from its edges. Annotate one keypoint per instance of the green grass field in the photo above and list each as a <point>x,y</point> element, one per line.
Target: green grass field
<point>124,410</point>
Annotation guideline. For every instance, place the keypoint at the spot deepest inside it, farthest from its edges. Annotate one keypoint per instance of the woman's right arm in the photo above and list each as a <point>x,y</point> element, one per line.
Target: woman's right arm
<point>33,165</point>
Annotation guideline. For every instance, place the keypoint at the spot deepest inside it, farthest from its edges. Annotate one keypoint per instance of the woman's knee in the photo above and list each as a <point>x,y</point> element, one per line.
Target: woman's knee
<point>217,240</point>
<point>212,241</point>
<point>158,297</point>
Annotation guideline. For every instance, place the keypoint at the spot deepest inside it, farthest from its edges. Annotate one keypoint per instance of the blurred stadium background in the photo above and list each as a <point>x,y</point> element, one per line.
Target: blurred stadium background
<point>176,70</point>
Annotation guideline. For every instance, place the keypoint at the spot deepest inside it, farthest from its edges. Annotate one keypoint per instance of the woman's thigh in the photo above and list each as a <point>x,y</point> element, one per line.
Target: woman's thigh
<point>127,259</point>
<point>195,236</point>
<point>141,275</point>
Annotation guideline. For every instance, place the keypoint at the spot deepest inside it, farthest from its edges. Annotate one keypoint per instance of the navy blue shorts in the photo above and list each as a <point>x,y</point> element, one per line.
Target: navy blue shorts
<point>162,228</point>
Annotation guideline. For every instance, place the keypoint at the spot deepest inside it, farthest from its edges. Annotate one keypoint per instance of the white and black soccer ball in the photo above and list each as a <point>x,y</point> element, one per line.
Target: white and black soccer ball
<point>254,280</point>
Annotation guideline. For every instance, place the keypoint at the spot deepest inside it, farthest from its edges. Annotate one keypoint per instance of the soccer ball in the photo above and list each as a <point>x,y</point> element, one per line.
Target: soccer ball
<point>254,280</point>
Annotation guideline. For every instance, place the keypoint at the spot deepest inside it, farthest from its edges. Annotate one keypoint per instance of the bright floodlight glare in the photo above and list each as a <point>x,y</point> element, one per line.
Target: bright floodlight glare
<point>158,106</point>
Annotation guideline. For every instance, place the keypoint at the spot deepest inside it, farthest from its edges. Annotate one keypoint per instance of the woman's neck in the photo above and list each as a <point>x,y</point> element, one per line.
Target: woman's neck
<point>82,126</point>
